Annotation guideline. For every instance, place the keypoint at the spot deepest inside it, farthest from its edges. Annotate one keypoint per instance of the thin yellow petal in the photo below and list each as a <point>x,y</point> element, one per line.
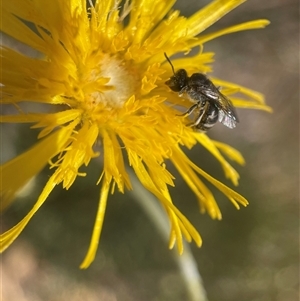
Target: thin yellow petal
<point>176,225</point>
<point>147,182</point>
<point>113,161</point>
<point>245,104</point>
<point>205,198</point>
<point>31,163</point>
<point>259,97</point>
<point>175,228</point>
<point>7,238</point>
<point>14,27</point>
<point>233,196</point>
<point>257,24</point>
<point>230,152</point>
<point>189,227</point>
<point>229,171</point>
<point>48,121</point>
<point>90,256</point>
<point>144,16</point>
<point>35,83</point>
<point>210,14</point>
<point>78,153</point>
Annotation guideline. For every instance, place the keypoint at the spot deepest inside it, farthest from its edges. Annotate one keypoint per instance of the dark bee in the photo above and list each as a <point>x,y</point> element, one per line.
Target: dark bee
<point>210,105</point>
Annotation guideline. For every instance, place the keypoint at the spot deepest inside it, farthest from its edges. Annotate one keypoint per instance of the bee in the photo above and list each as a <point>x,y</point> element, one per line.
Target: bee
<point>209,104</point>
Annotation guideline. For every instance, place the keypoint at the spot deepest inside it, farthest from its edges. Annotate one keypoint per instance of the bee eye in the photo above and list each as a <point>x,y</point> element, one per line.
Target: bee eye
<point>173,84</point>
<point>182,78</point>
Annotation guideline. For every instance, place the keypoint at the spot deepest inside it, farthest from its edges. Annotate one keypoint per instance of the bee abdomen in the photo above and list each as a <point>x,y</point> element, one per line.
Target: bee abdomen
<point>208,119</point>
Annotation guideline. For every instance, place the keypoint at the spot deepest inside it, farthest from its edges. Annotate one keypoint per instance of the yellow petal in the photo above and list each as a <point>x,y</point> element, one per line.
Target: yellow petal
<point>114,162</point>
<point>13,26</point>
<point>246,104</point>
<point>233,196</point>
<point>15,173</point>
<point>229,171</point>
<point>78,153</point>
<point>147,182</point>
<point>210,14</point>
<point>7,238</point>
<point>90,256</point>
<point>237,88</point>
<point>230,152</point>
<point>257,24</point>
<point>205,198</point>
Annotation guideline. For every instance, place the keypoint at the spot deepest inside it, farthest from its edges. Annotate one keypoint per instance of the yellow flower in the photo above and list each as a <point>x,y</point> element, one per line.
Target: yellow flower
<point>103,70</point>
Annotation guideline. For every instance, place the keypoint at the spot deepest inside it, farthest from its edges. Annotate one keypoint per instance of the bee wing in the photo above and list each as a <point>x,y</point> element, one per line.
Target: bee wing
<point>227,120</point>
<point>227,114</point>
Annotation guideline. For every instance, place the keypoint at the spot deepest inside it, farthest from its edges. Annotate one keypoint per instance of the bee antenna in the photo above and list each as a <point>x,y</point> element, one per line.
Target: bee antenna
<point>169,62</point>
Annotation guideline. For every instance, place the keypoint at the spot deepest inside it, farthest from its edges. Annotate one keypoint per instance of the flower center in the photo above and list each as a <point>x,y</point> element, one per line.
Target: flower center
<point>119,83</point>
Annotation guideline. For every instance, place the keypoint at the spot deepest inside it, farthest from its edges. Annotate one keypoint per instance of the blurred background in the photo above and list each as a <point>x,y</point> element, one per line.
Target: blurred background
<point>252,254</point>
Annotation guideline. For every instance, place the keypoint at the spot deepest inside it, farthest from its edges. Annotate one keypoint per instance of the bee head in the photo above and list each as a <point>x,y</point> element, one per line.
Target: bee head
<point>178,81</point>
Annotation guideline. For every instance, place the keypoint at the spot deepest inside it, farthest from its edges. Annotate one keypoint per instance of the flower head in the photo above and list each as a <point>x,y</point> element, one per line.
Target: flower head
<point>103,70</point>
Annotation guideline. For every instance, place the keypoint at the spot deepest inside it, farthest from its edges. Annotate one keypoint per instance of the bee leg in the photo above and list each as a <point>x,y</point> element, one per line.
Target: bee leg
<point>189,111</point>
<point>198,120</point>
<point>197,124</point>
